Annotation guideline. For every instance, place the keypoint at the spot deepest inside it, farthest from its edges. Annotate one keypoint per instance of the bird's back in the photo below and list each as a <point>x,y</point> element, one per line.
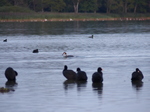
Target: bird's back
<point>81,76</point>
<point>137,76</point>
<point>97,77</point>
<point>69,74</point>
<point>10,74</point>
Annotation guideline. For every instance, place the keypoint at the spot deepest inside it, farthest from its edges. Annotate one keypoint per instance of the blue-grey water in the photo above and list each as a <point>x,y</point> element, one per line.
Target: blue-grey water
<point>118,47</point>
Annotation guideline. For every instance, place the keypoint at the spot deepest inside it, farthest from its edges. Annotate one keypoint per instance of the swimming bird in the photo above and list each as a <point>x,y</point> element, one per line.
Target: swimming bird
<point>5,40</point>
<point>91,36</point>
<point>97,77</point>
<point>69,74</point>
<point>65,55</point>
<point>81,75</point>
<point>35,51</point>
<point>10,74</point>
<point>137,75</point>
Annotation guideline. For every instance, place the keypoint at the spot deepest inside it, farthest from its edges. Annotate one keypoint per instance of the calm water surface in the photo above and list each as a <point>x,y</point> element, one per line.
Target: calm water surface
<point>118,47</point>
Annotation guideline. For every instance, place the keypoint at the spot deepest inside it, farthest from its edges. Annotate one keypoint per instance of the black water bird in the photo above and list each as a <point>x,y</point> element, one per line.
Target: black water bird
<point>97,77</point>
<point>35,51</point>
<point>91,36</point>
<point>69,74</point>
<point>137,75</point>
<point>10,74</point>
<point>5,40</point>
<point>81,75</point>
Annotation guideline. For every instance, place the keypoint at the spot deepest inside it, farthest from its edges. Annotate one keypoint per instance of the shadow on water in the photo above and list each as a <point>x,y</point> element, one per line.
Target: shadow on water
<point>137,85</point>
<point>11,85</point>
<point>98,87</point>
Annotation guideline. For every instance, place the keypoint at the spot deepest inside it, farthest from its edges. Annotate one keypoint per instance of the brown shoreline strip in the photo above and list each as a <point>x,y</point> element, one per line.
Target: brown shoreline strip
<point>98,19</point>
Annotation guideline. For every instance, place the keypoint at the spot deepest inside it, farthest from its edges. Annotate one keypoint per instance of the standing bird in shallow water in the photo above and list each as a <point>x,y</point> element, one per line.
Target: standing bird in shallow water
<point>137,75</point>
<point>97,77</point>
<point>81,75</point>
<point>69,74</point>
<point>65,55</point>
<point>10,74</point>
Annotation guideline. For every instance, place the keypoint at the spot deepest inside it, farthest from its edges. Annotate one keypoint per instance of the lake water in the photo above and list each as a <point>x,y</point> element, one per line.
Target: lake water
<point>118,47</point>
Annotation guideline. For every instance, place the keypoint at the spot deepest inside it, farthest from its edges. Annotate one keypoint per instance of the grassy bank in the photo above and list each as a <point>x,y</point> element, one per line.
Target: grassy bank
<point>32,16</point>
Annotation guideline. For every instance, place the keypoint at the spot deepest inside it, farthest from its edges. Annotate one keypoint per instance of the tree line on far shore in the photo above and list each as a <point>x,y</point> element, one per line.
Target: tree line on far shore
<point>85,6</point>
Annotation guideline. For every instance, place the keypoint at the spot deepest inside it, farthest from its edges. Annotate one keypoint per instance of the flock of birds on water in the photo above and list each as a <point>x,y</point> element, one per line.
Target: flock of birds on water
<point>70,75</point>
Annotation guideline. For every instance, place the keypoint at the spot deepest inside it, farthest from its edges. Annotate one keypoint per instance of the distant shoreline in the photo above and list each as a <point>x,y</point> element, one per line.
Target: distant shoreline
<point>44,17</point>
<point>97,19</point>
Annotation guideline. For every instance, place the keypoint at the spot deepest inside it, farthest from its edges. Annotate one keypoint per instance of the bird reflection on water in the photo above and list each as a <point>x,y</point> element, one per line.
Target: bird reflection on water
<point>81,85</point>
<point>11,85</point>
<point>137,85</point>
<point>98,87</point>
<point>69,84</point>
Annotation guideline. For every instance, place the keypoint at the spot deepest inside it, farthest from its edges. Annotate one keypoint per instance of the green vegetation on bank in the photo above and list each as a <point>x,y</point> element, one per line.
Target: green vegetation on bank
<point>20,13</point>
<point>33,15</point>
<point>15,9</point>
